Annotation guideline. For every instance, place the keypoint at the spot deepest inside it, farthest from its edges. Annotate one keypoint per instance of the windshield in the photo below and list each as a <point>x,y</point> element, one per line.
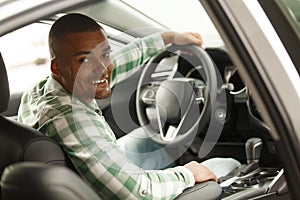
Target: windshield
<point>178,15</point>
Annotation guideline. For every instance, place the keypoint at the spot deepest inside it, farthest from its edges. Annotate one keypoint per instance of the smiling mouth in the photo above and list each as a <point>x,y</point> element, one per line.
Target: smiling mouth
<point>99,81</point>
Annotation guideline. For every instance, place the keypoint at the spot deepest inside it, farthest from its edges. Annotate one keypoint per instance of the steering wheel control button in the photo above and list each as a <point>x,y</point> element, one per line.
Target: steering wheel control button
<point>149,97</point>
<point>149,94</point>
<point>199,89</point>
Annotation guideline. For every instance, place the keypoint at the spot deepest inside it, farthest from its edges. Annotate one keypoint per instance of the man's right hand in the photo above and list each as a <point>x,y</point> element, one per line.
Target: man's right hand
<point>200,172</point>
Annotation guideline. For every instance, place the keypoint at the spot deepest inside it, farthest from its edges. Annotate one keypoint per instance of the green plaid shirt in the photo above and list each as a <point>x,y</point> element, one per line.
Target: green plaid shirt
<point>90,143</point>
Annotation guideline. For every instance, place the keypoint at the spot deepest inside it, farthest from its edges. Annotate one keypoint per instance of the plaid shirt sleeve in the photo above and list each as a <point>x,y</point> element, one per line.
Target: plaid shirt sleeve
<point>129,58</point>
<point>91,145</point>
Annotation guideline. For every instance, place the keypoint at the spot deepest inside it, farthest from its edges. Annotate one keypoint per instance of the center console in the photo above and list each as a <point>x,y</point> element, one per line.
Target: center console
<point>251,181</point>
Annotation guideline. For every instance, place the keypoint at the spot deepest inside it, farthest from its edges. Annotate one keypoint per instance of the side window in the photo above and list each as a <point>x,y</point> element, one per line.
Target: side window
<point>26,56</point>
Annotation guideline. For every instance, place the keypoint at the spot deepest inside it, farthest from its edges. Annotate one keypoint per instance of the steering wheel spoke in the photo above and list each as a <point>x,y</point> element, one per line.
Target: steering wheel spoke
<point>171,130</point>
<point>170,134</point>
<point>148,93</point>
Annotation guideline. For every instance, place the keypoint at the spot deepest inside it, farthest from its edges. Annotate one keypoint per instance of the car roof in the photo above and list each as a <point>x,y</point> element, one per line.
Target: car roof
<point>16,14</point>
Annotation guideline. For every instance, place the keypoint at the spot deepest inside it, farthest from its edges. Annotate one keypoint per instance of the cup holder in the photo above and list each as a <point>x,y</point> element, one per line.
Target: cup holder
<point>257,179</point>
<point>255,183</point>
<point>250,183</point>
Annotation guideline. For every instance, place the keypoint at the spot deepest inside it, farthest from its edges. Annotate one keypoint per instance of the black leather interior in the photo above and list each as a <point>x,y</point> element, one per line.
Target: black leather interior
<point>22,143</point>
<point>205,191</point>
<point>4,87</point>
<point>19,142</point>
<point>32,180</point>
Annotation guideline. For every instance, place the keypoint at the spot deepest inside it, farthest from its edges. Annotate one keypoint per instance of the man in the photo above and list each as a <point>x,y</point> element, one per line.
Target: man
<point>63,107</point>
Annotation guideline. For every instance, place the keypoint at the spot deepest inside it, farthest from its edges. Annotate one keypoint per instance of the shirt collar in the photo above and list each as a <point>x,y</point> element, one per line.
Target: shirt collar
<point>53,85</point>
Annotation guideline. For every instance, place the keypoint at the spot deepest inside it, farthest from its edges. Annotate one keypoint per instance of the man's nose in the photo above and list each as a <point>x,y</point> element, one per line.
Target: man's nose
<point>100,67</point>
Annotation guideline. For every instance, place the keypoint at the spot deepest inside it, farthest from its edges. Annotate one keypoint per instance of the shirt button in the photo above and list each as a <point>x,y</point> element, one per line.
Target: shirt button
<point>144,192</point>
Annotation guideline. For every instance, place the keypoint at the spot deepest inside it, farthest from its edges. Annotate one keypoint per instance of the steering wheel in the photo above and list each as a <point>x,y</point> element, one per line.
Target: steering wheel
<point>174,110</point>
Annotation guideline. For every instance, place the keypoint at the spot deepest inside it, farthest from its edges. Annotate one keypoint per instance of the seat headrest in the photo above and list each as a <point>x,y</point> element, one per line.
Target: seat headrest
<point>34,180</point>
<point>4,87</point>
<point>19,142</point>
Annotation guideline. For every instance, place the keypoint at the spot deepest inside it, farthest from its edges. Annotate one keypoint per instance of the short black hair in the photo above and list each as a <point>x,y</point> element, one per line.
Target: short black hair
<point>70,23</point>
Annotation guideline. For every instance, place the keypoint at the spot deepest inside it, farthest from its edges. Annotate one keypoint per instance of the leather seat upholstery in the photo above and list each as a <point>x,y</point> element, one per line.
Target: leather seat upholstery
<point>19,142</point>
<point>4,87</point>
<point>32,165</point>
<point>35,180</point>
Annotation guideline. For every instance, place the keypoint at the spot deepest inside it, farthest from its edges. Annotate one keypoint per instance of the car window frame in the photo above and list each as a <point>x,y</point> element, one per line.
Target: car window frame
<point>278,114</point>
<point>285,26</point>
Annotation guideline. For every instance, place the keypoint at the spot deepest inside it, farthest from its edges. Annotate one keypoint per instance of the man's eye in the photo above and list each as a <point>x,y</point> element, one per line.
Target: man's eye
<point>84,60</point>
<point>106,55</point>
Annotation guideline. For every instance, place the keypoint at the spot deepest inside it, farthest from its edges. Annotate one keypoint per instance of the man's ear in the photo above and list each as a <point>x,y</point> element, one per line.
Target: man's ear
<point>56,73</point>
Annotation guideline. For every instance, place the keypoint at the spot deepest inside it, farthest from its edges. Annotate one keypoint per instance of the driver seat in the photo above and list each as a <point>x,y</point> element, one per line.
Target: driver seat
<point>19,142</point>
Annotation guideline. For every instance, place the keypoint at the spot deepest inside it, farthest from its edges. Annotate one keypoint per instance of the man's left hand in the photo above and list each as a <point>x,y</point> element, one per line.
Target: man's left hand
<point>182,38</point>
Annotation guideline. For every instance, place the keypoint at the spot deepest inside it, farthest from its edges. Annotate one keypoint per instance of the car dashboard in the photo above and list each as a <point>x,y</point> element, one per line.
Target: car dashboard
<point>242,120</point>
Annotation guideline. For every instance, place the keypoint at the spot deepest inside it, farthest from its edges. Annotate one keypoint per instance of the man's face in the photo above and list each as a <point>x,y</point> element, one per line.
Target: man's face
<point>84,65</point>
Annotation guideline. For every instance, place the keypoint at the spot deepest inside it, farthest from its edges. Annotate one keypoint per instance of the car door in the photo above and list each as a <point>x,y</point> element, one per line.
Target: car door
<point>263,39</point>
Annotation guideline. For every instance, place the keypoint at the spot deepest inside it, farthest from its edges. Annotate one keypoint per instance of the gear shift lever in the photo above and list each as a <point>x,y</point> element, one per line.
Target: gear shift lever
<point>253,149</point>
